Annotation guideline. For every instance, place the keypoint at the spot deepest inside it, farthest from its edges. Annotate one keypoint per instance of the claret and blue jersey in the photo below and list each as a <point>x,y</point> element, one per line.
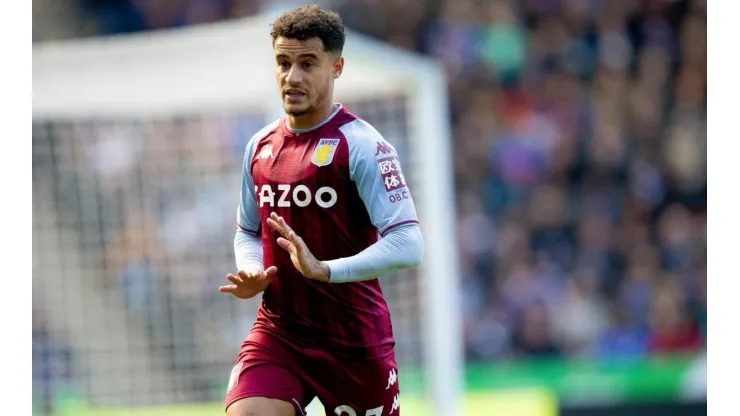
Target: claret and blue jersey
<point>339,185</point>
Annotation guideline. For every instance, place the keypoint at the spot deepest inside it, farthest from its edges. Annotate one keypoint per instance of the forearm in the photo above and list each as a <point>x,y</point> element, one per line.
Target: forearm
<point>248,253</point>
<point>401,248</point>
<point>248,250</point>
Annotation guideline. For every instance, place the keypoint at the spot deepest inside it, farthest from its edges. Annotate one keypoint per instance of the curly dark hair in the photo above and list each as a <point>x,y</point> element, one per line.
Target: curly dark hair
<point>308,22</point>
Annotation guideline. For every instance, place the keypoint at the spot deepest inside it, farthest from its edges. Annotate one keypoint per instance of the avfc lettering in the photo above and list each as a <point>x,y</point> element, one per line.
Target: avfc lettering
<point>324,152</point>
<point>286,196</point>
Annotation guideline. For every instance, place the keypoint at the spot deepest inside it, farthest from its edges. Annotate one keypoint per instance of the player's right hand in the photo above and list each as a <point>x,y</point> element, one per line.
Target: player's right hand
<point>247,284</point>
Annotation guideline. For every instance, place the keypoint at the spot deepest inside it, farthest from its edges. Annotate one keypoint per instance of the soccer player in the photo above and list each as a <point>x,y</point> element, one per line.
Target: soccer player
<point>319,187</point>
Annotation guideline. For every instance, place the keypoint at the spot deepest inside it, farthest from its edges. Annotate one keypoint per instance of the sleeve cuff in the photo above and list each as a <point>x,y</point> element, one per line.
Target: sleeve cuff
<point>339,272</point>
<point>396,225</point>
<point>245,229</point>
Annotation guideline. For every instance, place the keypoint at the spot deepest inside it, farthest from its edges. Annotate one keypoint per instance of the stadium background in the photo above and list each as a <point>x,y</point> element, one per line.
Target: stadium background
<point>580,171</point>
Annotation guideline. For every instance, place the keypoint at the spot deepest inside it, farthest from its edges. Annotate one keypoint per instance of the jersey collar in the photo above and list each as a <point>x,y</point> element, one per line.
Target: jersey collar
<point>296,132</point>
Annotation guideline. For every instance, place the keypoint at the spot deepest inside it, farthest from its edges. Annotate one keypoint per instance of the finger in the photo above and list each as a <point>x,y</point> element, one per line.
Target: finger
<point>271,271</point>
<point>251,275</point>
<point>273,224</point>
<point>297,242</point>
<point>276,226</point>
<point>275,217</point>
<point>285,226</point>
<point>227,289</point>
<point>247,275</point>
<point>286,245</point>
<point>235,280</point>
<point>288,231</point>
<point>295,238</point>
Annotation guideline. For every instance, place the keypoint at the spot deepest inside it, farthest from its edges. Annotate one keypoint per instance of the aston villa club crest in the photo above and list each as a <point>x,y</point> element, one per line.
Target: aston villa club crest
<point>324,152</point>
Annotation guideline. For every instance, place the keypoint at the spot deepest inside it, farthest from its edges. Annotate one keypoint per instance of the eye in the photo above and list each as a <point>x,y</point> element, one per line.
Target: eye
<point>307,65</point>
<point>283,64</point>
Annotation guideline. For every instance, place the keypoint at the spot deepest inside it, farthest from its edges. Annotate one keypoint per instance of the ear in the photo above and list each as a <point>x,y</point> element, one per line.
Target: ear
<point>338,67</point>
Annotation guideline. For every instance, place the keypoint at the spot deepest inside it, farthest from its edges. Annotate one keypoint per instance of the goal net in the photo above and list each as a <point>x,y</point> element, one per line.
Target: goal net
<point>137,150</point>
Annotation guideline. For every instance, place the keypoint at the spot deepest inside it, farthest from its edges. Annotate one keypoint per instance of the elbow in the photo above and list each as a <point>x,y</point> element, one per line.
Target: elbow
<point>419,254</point>
<point>416,249</point>
<point>414,261</point>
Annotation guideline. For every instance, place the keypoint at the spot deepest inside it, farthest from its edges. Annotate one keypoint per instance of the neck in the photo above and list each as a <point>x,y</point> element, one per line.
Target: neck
<point>308,120</point>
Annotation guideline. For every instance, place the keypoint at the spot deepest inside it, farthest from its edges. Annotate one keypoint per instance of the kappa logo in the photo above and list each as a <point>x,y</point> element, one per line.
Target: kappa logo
<point>266,152</point>
<point>396,404</point>
<point>383,148</point>
<point>392,378</point>
<point>324,152</point>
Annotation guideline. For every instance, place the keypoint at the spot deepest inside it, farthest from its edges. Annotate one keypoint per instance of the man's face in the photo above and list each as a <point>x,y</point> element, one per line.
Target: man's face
<point>305,74</point>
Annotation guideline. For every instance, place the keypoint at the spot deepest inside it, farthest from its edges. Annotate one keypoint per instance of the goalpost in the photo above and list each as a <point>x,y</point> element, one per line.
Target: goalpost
<point>118,120</point>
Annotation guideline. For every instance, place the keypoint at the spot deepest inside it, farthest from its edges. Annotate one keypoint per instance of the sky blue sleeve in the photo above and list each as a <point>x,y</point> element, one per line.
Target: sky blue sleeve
<point>376,170</point>
<point>400,248</point>
<point>248,215</point>
<point>248,241</point>
<point>248,251</point>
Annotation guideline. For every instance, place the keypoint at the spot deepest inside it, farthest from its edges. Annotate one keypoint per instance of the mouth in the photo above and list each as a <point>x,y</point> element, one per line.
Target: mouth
<point>293,94</point>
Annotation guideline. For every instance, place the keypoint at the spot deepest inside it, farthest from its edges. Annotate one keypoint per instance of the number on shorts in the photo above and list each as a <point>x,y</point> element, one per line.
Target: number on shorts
<point>378,411</point>
<point>345,410</point>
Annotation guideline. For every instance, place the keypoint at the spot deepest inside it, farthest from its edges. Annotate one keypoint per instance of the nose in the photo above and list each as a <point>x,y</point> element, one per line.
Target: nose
<point>294,75</point>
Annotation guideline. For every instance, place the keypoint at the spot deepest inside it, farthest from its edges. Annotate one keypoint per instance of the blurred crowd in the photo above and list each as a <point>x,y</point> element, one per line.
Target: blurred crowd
<point>580,164</point>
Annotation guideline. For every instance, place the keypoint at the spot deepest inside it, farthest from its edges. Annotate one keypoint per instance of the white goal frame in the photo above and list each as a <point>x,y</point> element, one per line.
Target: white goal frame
<point>164,73</point>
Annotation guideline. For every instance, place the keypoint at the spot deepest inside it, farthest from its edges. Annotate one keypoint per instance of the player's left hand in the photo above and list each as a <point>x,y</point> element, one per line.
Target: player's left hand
<point>300,255</point>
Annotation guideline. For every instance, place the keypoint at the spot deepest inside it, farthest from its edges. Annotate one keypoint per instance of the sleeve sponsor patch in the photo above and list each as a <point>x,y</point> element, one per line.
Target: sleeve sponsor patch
<point>390,170</point>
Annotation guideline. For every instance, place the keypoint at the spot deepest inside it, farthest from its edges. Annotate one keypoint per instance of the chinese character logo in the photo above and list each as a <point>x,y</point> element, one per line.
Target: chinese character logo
<point>390,170</point>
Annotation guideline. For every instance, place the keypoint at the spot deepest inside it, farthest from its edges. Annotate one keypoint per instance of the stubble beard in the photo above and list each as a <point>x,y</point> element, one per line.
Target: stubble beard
<point>297,113</point>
